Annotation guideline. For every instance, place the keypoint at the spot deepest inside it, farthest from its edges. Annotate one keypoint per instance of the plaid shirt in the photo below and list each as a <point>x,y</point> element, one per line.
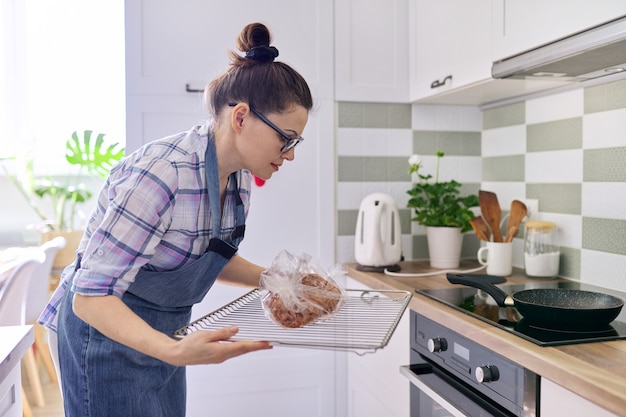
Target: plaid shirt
<point>152,212</point>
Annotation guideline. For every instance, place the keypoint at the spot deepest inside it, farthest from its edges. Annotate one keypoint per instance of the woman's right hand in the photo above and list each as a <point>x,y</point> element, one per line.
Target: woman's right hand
<point>207,347</point>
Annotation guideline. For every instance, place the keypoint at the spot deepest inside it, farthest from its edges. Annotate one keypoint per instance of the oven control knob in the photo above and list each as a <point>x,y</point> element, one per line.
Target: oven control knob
<point>438,344</point>
<point>487,373</point>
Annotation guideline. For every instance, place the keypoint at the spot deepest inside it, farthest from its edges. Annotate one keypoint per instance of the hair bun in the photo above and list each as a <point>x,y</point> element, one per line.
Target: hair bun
<point>262,53</point>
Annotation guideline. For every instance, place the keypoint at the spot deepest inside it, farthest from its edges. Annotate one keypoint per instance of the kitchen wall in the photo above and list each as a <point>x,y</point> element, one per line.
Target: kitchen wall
<point>567,150</point>
<point>374,143</point>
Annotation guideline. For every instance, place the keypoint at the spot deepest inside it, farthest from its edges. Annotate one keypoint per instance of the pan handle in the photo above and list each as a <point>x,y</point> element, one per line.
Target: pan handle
<point>479,281</point>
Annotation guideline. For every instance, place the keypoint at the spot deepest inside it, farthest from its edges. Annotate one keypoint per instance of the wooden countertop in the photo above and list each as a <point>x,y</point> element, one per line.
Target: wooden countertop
<point>595,371</point>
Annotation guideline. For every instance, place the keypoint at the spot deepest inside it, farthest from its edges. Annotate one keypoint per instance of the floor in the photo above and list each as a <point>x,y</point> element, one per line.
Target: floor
<point>53,406</point>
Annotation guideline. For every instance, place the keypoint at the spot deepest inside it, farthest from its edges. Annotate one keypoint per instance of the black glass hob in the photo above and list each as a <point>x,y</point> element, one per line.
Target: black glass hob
<point>479,304</point>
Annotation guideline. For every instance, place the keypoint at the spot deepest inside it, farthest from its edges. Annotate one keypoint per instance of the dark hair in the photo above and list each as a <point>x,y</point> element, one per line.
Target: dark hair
<point>270,86</point>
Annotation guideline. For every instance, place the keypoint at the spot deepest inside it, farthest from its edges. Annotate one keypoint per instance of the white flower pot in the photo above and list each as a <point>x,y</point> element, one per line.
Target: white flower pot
<point>444,246</point>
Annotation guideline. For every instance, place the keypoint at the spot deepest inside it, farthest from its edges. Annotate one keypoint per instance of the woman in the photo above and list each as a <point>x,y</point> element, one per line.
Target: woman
<point>167,225</point>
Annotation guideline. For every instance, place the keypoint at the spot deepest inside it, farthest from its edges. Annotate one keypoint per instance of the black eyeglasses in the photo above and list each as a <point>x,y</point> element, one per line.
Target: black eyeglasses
<point>290,142</point>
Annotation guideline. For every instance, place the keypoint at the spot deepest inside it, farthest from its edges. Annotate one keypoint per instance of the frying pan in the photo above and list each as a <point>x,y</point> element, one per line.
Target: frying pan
<point>554,308</point>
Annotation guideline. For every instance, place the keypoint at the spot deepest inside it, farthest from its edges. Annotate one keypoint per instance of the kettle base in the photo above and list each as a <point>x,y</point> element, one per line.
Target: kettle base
<point>367,268</point>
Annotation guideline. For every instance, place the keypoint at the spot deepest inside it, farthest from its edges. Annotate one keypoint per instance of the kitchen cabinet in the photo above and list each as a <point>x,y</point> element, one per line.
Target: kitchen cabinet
<point>522,25</point>
<point>556,401</point>
<point>450,45</point>
<point>14,342</point>
<point>375,386</point>
<point>453,44</point>
<point>371,51</point>
<point>175,46</point>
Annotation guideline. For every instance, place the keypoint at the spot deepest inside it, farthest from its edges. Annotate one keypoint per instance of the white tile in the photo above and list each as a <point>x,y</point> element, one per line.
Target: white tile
<point>604,129</point>
<point>345,249</point>
<point>555,166</point>
<point>374,142</point>
<point>604,199</point>
<point>506,192</point>
<point>555,107</point>
<point>518,251</point>
<point>464,169</point>
<point>603,269</point>
<point>447,118</point>
<point>510,140</point>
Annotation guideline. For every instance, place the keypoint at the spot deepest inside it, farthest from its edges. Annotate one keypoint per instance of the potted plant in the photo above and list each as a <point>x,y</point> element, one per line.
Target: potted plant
<point>93,158</point>
<point>446,214</point>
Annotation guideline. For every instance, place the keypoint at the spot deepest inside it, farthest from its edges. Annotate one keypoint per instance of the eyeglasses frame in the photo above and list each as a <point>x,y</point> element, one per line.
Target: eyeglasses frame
<point>290,142</point>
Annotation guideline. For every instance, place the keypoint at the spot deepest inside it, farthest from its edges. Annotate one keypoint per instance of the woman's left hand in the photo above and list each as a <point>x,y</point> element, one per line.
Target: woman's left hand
<point>207,347</point>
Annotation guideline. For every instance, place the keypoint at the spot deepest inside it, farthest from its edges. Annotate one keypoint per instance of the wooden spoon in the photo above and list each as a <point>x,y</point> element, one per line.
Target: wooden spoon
<point>481,229</point>
<point>511,234</point>
<point>491,211</point>
<point>517,214</point>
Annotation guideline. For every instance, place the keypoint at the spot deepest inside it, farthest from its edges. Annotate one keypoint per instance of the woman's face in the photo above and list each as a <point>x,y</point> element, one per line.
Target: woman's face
<point>262,148</point>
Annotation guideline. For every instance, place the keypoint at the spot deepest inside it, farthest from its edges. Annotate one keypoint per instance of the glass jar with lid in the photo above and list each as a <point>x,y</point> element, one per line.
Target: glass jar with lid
<point>541,249</point>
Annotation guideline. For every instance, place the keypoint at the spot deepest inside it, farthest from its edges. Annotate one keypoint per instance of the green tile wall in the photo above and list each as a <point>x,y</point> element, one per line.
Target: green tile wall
<point>605,97</point>
<point>556,135</point>
<point>503,168</point>
<point>372,169</point>
<point>556,198</point>
<point>511,115</point>
<point>454,143</point>
<point>374,115</point>
<point>605,165</point>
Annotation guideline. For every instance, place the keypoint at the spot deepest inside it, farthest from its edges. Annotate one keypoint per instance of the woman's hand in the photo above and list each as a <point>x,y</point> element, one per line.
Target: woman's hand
<point>207,347</point>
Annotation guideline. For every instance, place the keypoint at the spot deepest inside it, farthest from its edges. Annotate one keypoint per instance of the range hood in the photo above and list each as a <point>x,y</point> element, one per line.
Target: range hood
<point>592,53</point>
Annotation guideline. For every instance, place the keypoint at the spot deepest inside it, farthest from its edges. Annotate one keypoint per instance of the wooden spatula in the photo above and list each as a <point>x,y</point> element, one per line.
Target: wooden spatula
<point>491,212</point>
<point>517,214</point>
<point>481,229</point>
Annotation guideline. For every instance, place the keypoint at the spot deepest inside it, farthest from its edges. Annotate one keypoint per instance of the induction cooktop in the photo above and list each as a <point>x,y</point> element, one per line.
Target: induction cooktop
<point>479,304</point>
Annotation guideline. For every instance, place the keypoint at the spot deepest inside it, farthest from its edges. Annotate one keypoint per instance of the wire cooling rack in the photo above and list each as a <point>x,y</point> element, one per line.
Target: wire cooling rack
<point>364,324</point>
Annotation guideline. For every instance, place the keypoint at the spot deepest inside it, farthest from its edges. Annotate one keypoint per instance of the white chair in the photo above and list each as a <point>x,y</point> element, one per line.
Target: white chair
<point>37,296</point>
<point>17,274</point>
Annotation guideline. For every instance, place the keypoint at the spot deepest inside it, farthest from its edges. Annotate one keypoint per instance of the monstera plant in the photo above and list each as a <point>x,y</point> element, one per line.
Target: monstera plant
<point>93,157</point>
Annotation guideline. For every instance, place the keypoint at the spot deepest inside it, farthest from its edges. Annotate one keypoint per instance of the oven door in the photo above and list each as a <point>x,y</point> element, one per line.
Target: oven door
<point>435,393</point>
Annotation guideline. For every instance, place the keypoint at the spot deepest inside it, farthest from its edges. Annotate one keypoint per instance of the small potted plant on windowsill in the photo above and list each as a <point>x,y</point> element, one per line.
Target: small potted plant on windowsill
<point>93,158</point>
<point>443,211</point>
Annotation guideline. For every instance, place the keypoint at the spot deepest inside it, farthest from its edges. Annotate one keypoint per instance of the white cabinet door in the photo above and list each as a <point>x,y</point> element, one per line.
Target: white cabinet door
<point>172,46</point>
<point>556,401</point>
<point>375,386</point>
<point>371,51</point>
<point>450,45</point>
<point>520,25</point>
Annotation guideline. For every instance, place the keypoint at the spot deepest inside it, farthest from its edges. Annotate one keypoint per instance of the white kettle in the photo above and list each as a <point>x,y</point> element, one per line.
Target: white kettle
<point>378,237</point>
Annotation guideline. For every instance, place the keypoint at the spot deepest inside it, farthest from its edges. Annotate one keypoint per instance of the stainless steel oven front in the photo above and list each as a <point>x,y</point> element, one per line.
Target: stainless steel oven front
<point>452,375</point>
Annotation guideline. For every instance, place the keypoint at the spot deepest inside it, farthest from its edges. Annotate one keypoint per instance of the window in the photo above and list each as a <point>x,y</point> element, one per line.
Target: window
<point>62,70</point>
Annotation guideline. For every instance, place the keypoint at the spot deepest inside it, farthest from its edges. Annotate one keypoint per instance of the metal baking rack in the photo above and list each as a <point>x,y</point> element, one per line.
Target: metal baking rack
<point>364,324</point>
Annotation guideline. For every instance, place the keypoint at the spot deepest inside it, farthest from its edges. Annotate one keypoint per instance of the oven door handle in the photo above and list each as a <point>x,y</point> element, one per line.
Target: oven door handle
<point>412,372</point>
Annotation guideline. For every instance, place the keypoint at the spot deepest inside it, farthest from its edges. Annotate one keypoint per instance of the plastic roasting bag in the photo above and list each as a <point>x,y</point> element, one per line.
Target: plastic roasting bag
<point>295,291</point>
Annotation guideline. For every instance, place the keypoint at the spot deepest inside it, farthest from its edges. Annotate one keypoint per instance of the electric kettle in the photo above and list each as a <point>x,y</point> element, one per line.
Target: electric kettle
<point>378,237</point>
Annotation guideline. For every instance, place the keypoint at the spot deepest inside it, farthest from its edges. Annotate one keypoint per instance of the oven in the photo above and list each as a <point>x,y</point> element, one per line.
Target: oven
<point>451,375</point>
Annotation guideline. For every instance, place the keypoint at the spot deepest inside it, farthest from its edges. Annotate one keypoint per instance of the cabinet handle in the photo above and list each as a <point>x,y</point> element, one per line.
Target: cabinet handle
<point>437,83</point>
<point>192,90</point>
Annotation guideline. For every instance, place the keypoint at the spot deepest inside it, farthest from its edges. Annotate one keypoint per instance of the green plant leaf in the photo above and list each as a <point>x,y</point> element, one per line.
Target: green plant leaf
<point>440,203</point>
<point>91,153</point>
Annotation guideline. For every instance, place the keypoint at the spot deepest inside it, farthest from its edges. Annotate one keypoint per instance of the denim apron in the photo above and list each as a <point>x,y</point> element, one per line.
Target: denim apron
<point>104,378</point>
